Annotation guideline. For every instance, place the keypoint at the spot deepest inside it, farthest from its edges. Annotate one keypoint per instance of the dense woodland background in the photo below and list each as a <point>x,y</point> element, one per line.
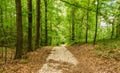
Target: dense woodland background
<point>29,24</point>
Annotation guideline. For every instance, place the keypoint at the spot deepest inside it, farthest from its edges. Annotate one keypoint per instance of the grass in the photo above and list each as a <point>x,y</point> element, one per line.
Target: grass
<point>109,48</point>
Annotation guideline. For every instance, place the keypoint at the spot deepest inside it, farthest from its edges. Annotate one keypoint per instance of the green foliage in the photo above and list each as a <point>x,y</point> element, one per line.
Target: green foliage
<point>59,21</point>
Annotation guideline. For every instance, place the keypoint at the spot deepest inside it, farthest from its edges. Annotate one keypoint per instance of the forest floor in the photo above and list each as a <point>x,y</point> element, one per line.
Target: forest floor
<point>81,59</point>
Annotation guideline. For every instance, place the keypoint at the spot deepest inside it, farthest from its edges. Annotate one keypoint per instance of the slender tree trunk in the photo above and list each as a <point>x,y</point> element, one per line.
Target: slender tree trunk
<point>51,33</point>
<point>38,23</point>
<point>73,24</point>
<point>118,25</point>
<point>46,24</point>
<point>41,38</point>
<point>118,31</point>
<point>30,25</point>
<point>112,33</point>
<point>87,22</point>
<point>19,44</point>
<point>5,33</point>
<point>96,27</point>
<point>1,21</point>
<point>5,39</point>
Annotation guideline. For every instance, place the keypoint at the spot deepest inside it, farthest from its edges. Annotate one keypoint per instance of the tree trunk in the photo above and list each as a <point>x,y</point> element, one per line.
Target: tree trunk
<point>1,21</point>
<point>30,25</point>
<point>112,33</point>
<point>96,27</point>
<point>51,33</point>
<point>118,25</point>
<point>46,24</point>
<point>118,31</point>
<point>73,24</point>
<point>4,43</point>
<point>87,22</point>
<point>19,44</point>
<point>38,22</point>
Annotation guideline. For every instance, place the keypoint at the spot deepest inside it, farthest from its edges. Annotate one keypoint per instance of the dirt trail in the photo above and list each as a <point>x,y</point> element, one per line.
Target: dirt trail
<point>78,59</point>
<point>72,59</point>
<point>57,61</point>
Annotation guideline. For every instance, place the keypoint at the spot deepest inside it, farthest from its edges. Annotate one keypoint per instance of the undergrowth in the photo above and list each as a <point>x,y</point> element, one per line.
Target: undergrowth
<point>108,49</point>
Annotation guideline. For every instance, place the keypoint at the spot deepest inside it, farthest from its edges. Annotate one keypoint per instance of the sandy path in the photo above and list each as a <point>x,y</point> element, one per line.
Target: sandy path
<point>59,54</point>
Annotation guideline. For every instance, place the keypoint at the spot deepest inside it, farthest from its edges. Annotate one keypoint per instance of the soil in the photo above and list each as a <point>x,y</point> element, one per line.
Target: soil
<point>32,64</point>
<point>88,62</point>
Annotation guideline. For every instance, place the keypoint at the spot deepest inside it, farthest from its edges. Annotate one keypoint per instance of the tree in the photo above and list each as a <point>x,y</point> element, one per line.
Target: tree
<point>46,23</point>
<point>38,22</point>
<point>19,44</point>
<point>95,36</point>
<point>118,24</point>
<point>87,22</point>
<point>63,20</point>
<point>96,27</point>
<point>73,24</point>
<point>4,34</point>
<point>29,25</point>
<point>2,30</point>
<point>113,28</point>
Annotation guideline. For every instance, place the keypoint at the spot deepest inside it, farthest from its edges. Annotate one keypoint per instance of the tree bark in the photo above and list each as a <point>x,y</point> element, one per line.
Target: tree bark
<point>46,24</point>
<point>96,27</point>
<point>118,31</point>
<point>38,23</point>
<point>1,21</point>
<point>73,24</point>
<point>87,22</point>
<point>112,33</point>
<point>19,44</point>
<point>29,25</point>
<point>118,25</point>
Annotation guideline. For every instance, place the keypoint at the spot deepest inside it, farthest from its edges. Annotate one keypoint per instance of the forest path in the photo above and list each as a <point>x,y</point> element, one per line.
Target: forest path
<point>58,60</point>
<point>72,59</point>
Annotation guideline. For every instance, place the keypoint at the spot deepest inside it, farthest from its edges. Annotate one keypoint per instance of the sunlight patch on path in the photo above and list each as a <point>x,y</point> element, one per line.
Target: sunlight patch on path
<point>49,68</point>
<point>63,55</point>
<point>60,54</point>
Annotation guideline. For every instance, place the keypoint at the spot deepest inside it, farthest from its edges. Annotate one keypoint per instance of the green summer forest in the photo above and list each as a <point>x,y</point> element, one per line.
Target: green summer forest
<point>33,30</point>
